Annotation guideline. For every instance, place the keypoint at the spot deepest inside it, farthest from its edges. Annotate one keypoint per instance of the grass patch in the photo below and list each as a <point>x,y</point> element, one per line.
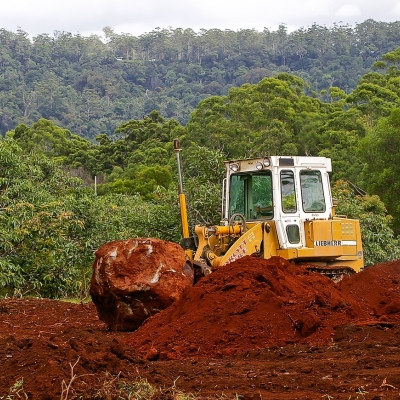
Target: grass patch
<point>114,387</point>
<point>16,391</point>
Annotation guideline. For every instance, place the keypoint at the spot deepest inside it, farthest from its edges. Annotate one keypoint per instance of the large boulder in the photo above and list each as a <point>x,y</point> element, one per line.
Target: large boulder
<point>136,278</point>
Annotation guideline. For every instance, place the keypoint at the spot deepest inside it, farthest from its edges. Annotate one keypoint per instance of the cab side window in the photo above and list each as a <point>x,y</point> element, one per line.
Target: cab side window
<point>288,193</point>
<point>312,192</point>
<point>262,196</point>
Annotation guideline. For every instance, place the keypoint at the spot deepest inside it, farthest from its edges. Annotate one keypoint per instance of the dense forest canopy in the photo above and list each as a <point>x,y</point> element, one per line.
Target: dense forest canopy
<point>90,85</point>
<point>65,191</point>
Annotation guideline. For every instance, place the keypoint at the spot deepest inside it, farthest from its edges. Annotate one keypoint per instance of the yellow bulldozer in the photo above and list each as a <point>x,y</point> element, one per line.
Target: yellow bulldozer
<point>271,206</point>
<point>275,206</point>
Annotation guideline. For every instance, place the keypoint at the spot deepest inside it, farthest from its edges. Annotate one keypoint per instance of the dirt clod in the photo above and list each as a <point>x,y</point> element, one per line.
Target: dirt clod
<point>135,279</point>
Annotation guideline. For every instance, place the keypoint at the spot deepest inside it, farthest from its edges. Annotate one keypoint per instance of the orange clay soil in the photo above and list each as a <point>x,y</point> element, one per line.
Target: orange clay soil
<point>258,329</point>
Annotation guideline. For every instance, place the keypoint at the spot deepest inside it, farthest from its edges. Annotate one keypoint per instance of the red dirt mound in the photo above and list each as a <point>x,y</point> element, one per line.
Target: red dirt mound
<point>47,344</point>
<point>376,288</point>
<point>255,303</point>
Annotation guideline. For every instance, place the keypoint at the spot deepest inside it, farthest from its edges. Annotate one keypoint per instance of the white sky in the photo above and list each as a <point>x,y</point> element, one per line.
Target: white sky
<point>140,16</point>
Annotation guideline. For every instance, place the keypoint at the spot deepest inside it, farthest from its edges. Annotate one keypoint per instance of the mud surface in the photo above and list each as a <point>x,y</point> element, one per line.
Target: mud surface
<point>256,330</point>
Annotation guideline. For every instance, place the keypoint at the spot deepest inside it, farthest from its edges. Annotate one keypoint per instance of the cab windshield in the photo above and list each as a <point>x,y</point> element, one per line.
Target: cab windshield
<point>251,195</point>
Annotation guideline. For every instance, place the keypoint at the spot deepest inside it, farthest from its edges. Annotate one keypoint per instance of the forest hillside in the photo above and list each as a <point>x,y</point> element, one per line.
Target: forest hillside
<point>90,85</point>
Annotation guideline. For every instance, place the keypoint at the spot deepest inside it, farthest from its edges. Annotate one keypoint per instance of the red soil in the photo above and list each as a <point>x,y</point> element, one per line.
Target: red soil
<point>255,328</point>
<point>255,303</point>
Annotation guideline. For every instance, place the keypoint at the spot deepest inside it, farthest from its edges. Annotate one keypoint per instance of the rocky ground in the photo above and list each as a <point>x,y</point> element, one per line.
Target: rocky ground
<point>255,329</point>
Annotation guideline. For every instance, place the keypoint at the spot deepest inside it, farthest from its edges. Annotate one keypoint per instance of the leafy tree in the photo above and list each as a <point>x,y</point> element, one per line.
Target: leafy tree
<point>141,180</point>
<point>49,139</point>
<point>380,153</point>
<point>379,241</point>
<point>373,100</point>
<point>339,139</point>
<point>41,224</point>
<point>251,120</point>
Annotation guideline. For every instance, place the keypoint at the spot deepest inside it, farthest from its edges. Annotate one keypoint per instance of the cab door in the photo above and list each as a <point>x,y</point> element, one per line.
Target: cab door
<point>288,209</point>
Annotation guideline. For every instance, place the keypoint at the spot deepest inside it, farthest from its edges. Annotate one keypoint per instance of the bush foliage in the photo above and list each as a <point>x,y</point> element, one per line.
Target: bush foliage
<point>62,196</point>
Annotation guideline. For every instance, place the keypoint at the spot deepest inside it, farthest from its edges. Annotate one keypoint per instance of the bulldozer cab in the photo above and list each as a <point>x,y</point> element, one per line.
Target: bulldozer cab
<point>286,190</point>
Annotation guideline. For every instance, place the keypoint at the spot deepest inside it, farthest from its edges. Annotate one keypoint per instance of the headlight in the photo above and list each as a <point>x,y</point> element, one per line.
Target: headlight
<point>259,166</point>
<point>234,166</point>
<point>267,162</point>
